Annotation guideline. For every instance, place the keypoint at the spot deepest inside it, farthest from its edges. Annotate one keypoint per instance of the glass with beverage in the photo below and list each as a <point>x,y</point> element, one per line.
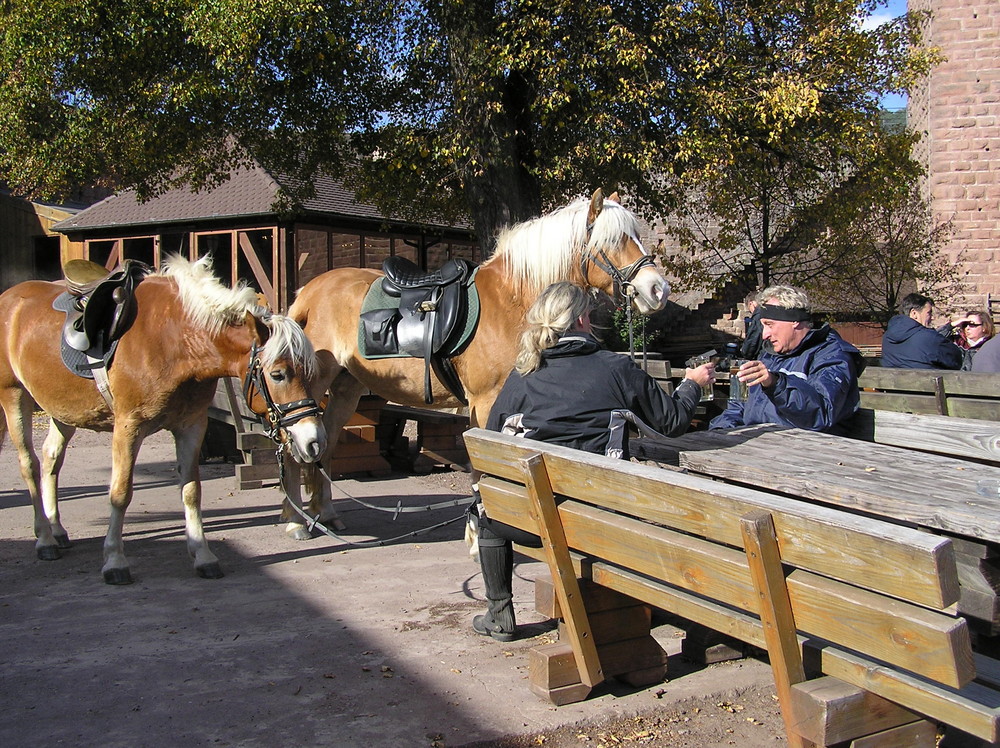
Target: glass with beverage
<point>737,390</point>
<point>707,391</point>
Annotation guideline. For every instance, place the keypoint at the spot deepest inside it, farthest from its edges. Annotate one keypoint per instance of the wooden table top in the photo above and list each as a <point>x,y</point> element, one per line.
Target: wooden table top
<point>901,485</point>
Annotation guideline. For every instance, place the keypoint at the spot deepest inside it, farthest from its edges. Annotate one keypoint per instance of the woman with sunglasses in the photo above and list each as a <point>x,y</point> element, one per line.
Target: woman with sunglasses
<point>974,330</point>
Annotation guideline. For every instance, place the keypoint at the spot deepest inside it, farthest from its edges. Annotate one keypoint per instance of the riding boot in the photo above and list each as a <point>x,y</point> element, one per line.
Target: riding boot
<point>496,557</point>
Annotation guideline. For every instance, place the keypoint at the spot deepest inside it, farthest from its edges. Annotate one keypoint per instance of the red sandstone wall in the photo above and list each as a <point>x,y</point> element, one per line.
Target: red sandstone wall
<point>958,109</point>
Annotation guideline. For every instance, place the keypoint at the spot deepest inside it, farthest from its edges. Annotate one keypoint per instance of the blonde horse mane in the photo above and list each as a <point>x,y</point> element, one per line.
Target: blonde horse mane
<point>544,250</point>
<point>211,305</point>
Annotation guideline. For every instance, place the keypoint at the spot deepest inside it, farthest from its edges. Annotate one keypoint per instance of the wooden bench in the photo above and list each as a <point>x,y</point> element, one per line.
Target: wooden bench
<point>975,440</point>
<point>856,614</point>
<point>963,394</point>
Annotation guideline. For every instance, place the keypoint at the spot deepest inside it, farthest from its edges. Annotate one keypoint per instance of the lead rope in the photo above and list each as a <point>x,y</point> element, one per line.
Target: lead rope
<point>313,522</point>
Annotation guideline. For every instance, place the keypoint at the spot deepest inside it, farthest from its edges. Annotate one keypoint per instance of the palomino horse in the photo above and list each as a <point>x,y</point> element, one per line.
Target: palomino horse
<point>188,331</point>
<point>593,243</point>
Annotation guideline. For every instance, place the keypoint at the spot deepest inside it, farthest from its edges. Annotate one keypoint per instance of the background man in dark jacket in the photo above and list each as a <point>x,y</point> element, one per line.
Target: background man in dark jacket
<point>808,378</point>
<point>910,342</point>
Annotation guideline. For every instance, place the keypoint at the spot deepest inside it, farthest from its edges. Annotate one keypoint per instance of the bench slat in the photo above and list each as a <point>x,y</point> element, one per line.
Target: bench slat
<point>966,437</point>
<point>910,564</point>
<point>974,709</point>
<point>922,641</point>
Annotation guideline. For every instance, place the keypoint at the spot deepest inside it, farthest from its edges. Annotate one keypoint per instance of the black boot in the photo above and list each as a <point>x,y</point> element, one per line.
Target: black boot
<point>496,557</point>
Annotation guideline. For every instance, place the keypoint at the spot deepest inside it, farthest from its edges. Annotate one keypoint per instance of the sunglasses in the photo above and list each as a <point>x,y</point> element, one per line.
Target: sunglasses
<point>973,324</point>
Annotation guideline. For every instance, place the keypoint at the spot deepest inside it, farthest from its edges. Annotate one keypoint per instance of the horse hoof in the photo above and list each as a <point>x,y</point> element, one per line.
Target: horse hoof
<point>338,525</point>
<point>63,541</point>
<point>299,533</point>
<point>210,571</point>
<point>118,576</point>
<point>49,553</point>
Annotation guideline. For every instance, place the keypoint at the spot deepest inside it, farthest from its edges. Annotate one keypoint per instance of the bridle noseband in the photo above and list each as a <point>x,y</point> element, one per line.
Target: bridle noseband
<point>275,417</point>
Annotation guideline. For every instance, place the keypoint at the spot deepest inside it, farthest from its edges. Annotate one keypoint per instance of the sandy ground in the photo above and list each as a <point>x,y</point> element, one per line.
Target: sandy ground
<point>301,643</point>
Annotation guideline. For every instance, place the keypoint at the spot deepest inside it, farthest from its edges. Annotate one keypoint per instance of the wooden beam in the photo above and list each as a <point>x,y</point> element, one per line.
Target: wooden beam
<point>561,567</point>
<point>761,545</point>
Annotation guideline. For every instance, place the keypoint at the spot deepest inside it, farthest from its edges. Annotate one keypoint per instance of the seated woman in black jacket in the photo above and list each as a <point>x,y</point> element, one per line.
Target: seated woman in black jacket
<point>565,389</point>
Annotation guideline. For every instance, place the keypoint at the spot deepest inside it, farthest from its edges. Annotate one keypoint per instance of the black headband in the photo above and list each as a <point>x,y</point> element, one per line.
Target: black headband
<point>784,314</point>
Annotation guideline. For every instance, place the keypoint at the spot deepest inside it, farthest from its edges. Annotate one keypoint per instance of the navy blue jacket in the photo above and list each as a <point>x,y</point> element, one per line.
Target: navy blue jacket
<point>585,397</point>
<point>815,388</point>
<point>907,344</point>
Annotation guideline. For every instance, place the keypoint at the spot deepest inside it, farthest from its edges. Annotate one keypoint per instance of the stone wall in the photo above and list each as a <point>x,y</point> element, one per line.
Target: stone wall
<point>958,110</point>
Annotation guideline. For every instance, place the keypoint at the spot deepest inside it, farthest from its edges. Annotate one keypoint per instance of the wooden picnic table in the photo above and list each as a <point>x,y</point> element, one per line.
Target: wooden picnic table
<point>933,492</point>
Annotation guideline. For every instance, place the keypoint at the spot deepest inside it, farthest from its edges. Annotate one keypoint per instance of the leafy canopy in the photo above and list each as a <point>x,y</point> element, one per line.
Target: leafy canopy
<point>499,108</point>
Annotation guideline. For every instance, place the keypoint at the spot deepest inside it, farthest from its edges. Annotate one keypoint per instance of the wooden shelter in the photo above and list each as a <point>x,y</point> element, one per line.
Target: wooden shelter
<point>29,247</point>
<point>238,224</point>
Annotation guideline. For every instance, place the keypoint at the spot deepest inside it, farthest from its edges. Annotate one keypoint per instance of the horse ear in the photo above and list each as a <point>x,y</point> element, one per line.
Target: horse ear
<point>613,197</point>
<point>596,205</point>
<point>258,329</point>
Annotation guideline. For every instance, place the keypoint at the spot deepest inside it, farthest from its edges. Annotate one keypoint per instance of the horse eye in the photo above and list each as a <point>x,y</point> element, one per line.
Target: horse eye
<point>277,375</point>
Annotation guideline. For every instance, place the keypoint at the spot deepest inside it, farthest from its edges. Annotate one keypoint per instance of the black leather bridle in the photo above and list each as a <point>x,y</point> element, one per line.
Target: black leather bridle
<point>622,276</point>
<point>275,416</point>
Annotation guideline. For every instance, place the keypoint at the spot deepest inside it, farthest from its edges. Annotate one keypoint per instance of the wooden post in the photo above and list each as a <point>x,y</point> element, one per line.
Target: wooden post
<point>536,479</point>
<point>939,396</point>
<point>761,543</point>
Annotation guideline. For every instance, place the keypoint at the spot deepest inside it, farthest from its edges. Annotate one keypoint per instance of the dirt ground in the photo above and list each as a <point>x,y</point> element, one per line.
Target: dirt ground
<point>302,643</point>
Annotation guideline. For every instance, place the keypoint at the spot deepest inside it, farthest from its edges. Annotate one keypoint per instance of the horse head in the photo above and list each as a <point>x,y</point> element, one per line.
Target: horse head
<point>615,250</point>
<point>278,384</point>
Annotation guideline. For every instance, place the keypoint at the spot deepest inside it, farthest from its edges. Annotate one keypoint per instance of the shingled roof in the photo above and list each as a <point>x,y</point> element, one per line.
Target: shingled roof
<point>247,193</point>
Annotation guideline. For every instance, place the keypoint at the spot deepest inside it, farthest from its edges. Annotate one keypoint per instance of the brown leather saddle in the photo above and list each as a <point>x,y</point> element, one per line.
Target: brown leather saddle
<point>429,321</point>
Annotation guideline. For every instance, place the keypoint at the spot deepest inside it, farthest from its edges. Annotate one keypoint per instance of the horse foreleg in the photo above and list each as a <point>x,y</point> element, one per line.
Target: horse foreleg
<point>188,444</point>
<point>18,408</point>
<point>125,443</point>
<point>53,453</point>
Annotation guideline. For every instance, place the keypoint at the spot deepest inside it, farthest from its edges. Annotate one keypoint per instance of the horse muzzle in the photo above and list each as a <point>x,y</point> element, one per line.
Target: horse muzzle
<point>651,291</point>
<point>307,440</point>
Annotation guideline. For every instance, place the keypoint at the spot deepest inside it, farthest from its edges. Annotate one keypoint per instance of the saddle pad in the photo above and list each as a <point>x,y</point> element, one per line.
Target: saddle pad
<point>376,298</point>
<point>74,360</point>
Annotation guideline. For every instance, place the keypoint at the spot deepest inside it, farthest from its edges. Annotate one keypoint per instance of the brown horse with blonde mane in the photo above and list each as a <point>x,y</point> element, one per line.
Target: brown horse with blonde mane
<point>594,243</point>
<point>188,331</point>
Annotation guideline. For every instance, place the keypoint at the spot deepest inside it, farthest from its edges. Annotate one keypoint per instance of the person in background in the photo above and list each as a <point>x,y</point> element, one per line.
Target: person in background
<point>910,342</point>
<point>987,358</point>
<point>805,378</point>
<point>974,329</point>
<point>565,389</point>
<point>752,340</point>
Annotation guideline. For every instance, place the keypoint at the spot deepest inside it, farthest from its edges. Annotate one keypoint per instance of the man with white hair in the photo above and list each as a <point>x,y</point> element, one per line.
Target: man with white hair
<point>805,377</point>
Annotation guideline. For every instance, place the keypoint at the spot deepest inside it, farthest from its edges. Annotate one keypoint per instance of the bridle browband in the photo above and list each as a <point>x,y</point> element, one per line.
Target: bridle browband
<point>275,416</point>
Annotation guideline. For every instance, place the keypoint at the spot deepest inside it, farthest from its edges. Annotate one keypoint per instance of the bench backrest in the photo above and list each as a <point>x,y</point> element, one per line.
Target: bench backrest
<point>876,589</point>
<point>963,394</point>
<point>966,438</point>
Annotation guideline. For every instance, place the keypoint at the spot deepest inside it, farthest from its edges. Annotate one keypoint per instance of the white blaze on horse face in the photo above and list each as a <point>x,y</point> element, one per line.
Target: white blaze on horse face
<point>308,439</point>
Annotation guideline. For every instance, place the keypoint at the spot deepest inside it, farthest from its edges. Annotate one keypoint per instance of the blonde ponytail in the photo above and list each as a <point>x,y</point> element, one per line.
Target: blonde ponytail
<point>552,314</point>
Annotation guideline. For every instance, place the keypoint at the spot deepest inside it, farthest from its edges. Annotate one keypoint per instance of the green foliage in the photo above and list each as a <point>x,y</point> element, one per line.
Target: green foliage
<point>498,107</point>
<point>644,336</point>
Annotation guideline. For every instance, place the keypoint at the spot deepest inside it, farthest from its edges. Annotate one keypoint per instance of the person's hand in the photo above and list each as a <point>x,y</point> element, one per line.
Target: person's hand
<point>754,372</point>
<point>702,375</point>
